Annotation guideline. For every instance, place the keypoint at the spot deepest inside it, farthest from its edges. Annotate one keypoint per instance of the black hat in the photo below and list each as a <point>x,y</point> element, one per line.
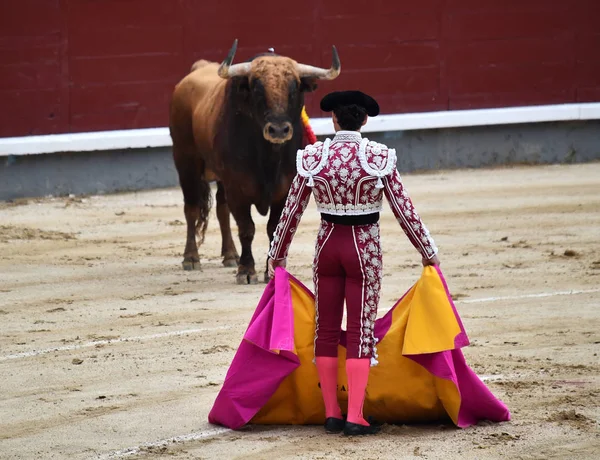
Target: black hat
<point>340,98</point>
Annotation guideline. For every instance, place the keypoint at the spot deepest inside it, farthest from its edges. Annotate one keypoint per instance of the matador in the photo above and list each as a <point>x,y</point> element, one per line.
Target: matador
<point>348,177</point>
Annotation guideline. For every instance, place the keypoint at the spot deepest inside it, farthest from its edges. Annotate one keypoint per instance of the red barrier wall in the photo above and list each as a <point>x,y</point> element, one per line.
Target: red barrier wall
<point>90,65</point>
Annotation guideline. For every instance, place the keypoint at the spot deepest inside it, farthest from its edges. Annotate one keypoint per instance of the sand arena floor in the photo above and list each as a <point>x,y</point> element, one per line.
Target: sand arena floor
<point>108,349</point>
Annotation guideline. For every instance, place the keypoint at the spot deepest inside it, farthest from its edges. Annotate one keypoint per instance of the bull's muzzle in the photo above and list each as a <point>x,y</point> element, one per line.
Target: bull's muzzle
<point>278,133</point>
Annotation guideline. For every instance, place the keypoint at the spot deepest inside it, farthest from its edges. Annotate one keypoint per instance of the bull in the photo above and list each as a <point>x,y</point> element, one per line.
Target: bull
<point>239,125</point>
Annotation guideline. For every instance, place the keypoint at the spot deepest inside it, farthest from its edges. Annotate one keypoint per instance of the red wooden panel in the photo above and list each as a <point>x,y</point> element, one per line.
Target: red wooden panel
<point>30,76</point>
<point>191,56</point>
<point>311,101</point>
<point>263,33</point>
<point>126,69</point>
<point>523,78</point>
<point>510,99</point>
<point>588,94</point>
<point>30,53</point>
<point>588,74</point>
<point>33,41</point>
<point>588,47</point>
<point>395,56</point>
<point>510,52</point>
<point>323,87</point>
<point>229,10</point>
<point>29,112</point>
<point>504,24</point>
<point>304,54</point>
<point>101,41</point>
<point>344,8</point>
<point>415,81</point>
<point>386,29</point>
<point>194,11</point>
<point>100,98</point>
<point>121,58</point>
<point>26,18</point>
<point>407,103</point>
<point>391,103</point>
<point>496,5</point>
<point>587,15</point>
<point>123,119</point>
<point>117,13</point>
<point>29,125</point>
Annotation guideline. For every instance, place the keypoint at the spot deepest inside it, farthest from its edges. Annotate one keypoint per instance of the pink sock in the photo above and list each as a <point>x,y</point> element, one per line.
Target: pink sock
<point>327,367</point>
<point>358,376</point>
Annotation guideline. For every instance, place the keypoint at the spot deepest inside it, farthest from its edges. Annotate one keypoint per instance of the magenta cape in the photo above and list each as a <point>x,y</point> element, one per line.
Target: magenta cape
<point>422,375</point>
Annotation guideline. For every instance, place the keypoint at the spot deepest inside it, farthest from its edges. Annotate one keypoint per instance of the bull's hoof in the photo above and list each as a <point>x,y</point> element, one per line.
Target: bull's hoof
<point>189,265</point>
<point>230,262</point>
<point>245,278</point>
<point>267,278</point>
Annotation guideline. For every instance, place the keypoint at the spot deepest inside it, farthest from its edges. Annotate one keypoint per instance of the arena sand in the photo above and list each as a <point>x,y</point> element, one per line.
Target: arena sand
<point>108,349</point>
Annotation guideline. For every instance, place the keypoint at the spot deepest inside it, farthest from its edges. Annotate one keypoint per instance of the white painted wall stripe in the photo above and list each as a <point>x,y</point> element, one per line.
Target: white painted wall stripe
<point>210,433</point>
<point>29,354</point>
<point>159,137</point>
<point>518,297</point>
<point>484,117</point>
<point>491,378</point>
<point>196,436</point>
<point>86,142</point>
<point>529,296</point>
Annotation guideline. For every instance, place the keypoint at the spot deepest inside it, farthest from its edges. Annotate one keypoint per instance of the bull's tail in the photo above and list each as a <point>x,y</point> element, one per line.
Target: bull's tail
<point>197,196</point>
<point>204,205</point>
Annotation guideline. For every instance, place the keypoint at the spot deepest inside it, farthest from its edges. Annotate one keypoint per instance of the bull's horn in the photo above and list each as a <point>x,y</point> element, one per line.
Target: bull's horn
<point>226,70</point>
<point>322,74</point>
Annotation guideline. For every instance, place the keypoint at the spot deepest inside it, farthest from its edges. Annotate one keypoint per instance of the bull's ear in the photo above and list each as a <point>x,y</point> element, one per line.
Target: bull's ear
<point>308,84</point>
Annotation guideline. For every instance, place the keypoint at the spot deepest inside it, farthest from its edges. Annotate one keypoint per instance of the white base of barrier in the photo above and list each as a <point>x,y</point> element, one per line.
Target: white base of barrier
<point>159,137</point>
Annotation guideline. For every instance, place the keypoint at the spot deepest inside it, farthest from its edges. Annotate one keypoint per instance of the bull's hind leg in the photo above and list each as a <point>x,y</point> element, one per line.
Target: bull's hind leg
<point>196,198</point>
<point>191,258</point>
<point>246,273</point>
<point>228,251</point>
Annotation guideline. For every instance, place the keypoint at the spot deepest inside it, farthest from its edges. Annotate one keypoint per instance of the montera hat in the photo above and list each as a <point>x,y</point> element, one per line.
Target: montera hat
<point>341,98</point>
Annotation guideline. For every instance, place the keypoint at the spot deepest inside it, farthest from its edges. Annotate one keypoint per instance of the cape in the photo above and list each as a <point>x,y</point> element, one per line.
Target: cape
<point>422,375</point>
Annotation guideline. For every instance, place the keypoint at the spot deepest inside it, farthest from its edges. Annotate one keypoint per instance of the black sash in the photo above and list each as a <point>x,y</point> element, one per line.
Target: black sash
<point>361,219</point>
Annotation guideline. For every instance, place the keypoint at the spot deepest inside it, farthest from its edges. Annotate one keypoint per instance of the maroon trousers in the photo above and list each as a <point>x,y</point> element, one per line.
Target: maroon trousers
<point>347,266</point>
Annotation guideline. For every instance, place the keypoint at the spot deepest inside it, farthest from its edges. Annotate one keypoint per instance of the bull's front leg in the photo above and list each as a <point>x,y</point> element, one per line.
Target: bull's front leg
<point>228,251</point>
<point>246,273</point>
<point>274,216</point>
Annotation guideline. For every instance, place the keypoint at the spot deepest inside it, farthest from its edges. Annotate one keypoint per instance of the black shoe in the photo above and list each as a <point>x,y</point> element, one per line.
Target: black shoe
<point>334,425</point>
<point>355,429</point>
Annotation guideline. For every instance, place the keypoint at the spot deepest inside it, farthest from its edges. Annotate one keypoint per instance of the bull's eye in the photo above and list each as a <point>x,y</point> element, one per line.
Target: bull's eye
<point>257,87</point>
<point>293,90</point>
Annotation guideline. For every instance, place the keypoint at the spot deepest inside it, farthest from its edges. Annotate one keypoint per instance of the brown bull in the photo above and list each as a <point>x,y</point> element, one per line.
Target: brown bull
<point>241,126</point>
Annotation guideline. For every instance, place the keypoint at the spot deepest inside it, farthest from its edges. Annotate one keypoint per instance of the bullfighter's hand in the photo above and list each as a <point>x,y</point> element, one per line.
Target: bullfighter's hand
<point>274,264</point>
<point>433,261</point>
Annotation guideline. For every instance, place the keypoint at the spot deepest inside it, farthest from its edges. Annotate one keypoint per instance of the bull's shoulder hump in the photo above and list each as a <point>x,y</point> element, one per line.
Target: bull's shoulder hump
<point>205,75</point>
<point>202,89</point>
<point>378,159</point>
<point>201,63</point>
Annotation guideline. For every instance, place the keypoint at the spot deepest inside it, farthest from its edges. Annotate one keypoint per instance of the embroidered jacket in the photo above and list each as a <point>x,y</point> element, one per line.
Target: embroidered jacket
<point>348,176</point>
